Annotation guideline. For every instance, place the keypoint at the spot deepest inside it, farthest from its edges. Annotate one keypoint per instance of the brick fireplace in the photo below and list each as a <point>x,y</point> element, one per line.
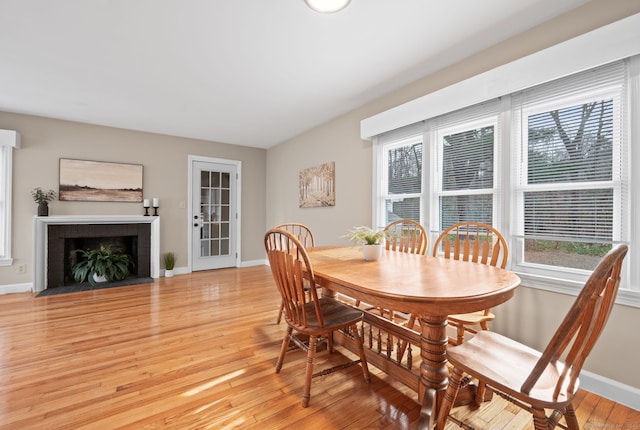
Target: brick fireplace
<point>56,238</point>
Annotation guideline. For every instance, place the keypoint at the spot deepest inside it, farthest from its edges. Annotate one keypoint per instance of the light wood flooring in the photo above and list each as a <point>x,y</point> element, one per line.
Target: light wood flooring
<point>198,352</point>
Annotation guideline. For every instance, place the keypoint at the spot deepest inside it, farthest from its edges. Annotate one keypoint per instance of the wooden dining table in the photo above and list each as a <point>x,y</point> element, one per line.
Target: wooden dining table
<point>430,287</point>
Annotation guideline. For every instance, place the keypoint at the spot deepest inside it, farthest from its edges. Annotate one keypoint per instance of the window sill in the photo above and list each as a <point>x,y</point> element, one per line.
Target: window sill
<point>563,286</point>
<point>5,261</point>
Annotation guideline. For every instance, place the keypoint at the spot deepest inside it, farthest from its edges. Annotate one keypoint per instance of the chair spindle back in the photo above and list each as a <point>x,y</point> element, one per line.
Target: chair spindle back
<point>290,267</point>
<point>473,241</point>
<point>408,236</point>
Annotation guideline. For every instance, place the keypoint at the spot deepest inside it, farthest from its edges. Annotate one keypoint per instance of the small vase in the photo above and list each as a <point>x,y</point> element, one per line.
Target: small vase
<point>372,252</point>
<point>43,209</point>
<point>168,273</point>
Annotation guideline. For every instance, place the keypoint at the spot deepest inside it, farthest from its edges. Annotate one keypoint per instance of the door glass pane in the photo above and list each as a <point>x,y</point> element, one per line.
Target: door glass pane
<point>224,247</point>
<point>224,230</point>
<point>215,247</point>
<point>225,180</point>
<point>215,179</point>
<point>204,232</point>
<point>204,248</point>
<point>204,179</point>
<point>225,213</point>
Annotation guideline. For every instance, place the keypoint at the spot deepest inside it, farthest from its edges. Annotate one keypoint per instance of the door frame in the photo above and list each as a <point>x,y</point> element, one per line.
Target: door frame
<point>238,166</point>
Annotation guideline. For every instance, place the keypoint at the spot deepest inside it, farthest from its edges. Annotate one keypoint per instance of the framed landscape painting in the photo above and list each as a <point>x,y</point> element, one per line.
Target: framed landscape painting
<point>97,181</point>
<point>317,186</point>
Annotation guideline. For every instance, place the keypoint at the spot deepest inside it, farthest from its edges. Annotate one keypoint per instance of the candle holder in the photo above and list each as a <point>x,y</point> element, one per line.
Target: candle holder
<point>156,205</point>
<point>155,211</point>
<point>145,204</point>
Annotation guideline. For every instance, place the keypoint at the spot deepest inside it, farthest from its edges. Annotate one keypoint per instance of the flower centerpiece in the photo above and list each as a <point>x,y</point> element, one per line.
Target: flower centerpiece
<point>372,240</point>
<point>42,198</point>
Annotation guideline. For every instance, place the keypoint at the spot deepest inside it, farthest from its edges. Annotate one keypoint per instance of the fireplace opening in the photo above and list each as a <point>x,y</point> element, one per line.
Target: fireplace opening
<point>63,240</point>
<point>126,244</point>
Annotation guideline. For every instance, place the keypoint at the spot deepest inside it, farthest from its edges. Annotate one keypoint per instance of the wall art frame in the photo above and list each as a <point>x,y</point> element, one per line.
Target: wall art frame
<point>317,186</point>
<point>100,181</point>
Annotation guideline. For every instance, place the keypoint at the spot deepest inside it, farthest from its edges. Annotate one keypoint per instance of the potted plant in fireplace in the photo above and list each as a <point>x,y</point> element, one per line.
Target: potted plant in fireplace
<point>42,198</point>
<point>101,265</point>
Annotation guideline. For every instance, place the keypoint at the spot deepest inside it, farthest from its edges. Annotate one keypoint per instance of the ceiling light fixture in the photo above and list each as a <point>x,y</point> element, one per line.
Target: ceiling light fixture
<point>327,6</point>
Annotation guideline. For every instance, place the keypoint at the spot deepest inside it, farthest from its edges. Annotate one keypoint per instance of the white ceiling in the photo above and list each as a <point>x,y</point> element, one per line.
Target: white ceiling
<point>246,72</point>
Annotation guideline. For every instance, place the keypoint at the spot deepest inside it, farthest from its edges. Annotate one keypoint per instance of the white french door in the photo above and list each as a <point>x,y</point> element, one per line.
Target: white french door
<point>214,215</point>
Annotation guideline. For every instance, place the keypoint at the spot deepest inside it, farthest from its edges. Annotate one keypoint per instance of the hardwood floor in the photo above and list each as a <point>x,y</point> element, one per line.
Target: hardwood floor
<point>198,352</point>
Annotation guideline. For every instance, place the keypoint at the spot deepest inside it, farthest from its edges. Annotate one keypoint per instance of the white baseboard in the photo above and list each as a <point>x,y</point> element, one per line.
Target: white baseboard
<point>184,270</point>
<point>16,288</point>
<point>610,389</point>
<point>177,271</point>
<point>253,263</point>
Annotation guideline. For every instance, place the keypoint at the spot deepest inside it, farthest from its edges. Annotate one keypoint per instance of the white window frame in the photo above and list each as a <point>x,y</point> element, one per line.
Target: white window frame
<point>384,195</point>
<point>6,162</point>
<point>521,161</point>
<point>507,192</point>
<point>437,150</point>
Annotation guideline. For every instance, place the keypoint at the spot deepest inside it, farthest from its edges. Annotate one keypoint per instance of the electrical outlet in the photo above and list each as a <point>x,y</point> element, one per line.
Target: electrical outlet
<point>21,268</point>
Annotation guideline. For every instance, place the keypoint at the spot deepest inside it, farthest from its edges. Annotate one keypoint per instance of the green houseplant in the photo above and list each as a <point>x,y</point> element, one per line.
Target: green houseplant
<point>42,198</point>
<point>371,240</point>
<point>366,235</point>
<point>103,262</point>
<point>169,264</point>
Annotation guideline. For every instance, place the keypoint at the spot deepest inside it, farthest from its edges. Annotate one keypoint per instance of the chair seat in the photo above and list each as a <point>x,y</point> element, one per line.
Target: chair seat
<point>335,314</point>
<point>505,364</point>
<point>472,317</point>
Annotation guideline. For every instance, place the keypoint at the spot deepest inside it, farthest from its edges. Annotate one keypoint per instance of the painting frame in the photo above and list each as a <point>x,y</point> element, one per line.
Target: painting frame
<point>99,181</point>
<point>316,186</point>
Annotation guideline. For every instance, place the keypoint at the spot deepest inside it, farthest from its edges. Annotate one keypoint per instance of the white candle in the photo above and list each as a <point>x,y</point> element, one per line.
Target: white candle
<point>156,203</point>
<point>145,203</point>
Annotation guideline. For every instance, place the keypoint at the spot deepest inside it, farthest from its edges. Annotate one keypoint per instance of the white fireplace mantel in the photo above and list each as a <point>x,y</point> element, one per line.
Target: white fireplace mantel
<point>40,239</point>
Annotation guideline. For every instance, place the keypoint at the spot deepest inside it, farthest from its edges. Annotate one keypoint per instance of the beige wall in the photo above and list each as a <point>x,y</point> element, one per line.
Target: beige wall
<point>165,161</point>
<point>533,314</point>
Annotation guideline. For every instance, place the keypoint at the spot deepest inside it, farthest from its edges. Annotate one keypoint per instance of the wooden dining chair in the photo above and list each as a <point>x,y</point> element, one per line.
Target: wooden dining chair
<point>305,313</point>
<point>302,232</point>
<point>305,236</point>
<point>477,243</point>
<point>540,381</point>
<point>408,236</point>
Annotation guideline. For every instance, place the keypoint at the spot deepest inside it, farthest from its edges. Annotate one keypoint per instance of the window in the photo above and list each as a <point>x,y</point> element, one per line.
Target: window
<point>465,151</point>
<point>570,201</point>
<point>547,166</point>
<point>400,190</point>
<point>5,204</point>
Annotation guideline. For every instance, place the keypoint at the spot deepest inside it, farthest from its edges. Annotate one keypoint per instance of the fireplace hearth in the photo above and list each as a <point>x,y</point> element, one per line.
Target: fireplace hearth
<point>57,237</point>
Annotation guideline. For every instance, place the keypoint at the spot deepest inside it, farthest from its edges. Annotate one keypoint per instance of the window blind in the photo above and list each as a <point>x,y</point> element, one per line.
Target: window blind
<point>572,166</point>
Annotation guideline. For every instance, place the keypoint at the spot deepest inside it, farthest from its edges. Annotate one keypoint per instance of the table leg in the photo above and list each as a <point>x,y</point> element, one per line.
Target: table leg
<point>433,370</point>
